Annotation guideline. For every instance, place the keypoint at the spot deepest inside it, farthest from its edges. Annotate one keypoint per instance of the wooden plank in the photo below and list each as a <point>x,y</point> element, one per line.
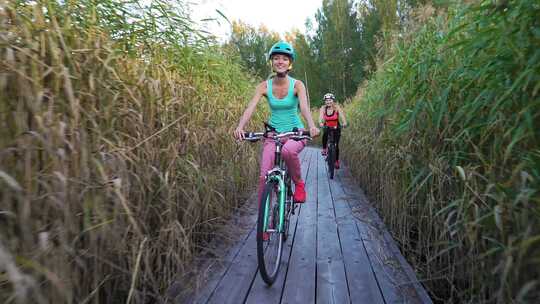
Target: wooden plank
<point>260,292</point>
<point>393,279</point>
<point>236,282</point>
<point>341,205</point>
<point>363,286</point>
<point>408,278</point>
<point>332,284</point>
<point>399,272</point>
<point>211,269</point>
<point>421,293</point>
<point>220,268</point>
<point>300,280</point>
<point>377,257</point>
<point>340,252</point>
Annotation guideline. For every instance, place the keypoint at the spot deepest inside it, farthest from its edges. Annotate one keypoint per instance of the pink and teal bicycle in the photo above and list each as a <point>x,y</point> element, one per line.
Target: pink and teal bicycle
<point>276,206</point>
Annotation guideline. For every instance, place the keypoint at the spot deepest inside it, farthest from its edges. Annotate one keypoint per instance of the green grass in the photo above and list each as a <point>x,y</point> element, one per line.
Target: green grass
<point>447,145</point>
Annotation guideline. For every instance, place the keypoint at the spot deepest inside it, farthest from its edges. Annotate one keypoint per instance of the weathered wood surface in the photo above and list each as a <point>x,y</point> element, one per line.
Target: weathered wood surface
<point>338,251</point>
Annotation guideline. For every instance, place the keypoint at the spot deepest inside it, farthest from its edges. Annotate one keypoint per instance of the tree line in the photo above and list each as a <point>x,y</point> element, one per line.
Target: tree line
<point>336,53</point>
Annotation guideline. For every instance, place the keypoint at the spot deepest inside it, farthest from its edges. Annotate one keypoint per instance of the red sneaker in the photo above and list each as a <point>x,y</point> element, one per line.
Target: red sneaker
<point>324,152</point>
<point>299,192</point>
<point>336,165</point>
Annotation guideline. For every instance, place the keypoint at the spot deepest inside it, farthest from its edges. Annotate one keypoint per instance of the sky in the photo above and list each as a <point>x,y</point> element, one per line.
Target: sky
<point>280,16</point>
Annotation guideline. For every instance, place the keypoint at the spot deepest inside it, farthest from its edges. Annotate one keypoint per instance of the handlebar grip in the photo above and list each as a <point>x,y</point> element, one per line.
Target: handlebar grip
<point>305,133</point>
<point>301,132</point>
<point>253,136</point>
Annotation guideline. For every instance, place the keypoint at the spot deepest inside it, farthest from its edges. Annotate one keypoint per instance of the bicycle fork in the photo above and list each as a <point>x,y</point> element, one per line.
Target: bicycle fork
<point>281,201</point>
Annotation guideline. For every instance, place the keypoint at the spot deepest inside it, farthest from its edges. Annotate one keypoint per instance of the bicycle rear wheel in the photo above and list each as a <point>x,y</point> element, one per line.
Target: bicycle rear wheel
<point>331,159</point>
<point>269,251</point>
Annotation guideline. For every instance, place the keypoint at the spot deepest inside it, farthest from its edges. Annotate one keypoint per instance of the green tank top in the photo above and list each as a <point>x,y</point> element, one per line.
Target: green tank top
<point>284,112</point>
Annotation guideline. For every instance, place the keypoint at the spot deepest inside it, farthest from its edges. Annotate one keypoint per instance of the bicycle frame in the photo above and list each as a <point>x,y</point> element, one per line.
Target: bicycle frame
<point>331,135</point>
<point>278,174</point>
<point>332,147</point>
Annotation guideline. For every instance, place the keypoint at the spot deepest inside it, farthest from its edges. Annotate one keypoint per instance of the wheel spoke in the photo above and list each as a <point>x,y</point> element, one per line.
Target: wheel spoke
<point>269,241</point>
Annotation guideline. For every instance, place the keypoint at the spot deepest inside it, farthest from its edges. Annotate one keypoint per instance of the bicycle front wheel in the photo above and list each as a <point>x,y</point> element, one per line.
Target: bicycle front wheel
<point>331,159</point>
<point>269,240</point>
<point>289,206</point>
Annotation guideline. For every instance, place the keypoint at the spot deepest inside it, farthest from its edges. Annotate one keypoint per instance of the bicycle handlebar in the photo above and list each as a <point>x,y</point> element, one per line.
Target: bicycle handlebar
<point>334,128</point>
<point>295,135</point>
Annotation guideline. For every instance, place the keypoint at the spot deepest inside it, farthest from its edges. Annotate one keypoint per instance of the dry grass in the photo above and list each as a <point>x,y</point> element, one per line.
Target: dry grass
<point>115,161</point>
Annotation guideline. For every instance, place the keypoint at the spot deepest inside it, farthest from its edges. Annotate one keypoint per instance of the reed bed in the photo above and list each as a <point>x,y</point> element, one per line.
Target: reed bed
<point>116,154</point>
<point>444,138</point>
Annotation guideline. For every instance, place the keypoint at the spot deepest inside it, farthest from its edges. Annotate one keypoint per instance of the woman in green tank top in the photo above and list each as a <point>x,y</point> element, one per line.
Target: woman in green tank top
<point>284,95</point>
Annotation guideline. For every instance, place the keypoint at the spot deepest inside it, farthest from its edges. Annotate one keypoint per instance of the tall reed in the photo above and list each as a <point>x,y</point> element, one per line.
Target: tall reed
<point>445,140</point>
<point>116,155</point>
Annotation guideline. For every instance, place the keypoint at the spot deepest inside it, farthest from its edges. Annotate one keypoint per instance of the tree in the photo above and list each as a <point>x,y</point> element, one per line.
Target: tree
<point>337,55</point>
<point>305,67</point>
<point>338,48</point>
<point>252,45</point>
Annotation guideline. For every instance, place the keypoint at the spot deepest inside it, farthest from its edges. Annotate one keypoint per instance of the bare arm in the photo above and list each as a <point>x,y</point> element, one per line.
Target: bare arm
<point>321,116</point>
<point>342,116</point>
<point>252,105</point>
<point>304,108</point>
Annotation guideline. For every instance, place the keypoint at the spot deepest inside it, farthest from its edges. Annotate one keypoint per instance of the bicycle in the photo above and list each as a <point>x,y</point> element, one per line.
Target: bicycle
<point>275,207</point>
<point>331,150</point>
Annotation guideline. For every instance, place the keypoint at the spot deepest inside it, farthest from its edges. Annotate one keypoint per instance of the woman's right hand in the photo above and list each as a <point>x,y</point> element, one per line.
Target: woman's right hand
<point>239,133</point>
<point>314,132</point>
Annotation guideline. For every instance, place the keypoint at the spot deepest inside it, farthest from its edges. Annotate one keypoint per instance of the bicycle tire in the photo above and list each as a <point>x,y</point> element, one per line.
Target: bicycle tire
<point>288,209</point>
<point>269,252</point>
<point>331,159</point>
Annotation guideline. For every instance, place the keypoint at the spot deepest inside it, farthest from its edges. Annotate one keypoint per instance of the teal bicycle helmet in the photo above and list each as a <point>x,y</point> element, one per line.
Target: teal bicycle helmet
<point>282,47</point>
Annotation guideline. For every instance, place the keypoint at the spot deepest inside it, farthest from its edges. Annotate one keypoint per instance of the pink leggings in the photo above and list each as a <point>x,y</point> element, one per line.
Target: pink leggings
<point>289,152</point>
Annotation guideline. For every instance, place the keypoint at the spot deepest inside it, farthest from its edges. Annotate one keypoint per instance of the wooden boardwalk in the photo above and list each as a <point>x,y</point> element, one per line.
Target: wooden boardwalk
<point>338,252</point>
